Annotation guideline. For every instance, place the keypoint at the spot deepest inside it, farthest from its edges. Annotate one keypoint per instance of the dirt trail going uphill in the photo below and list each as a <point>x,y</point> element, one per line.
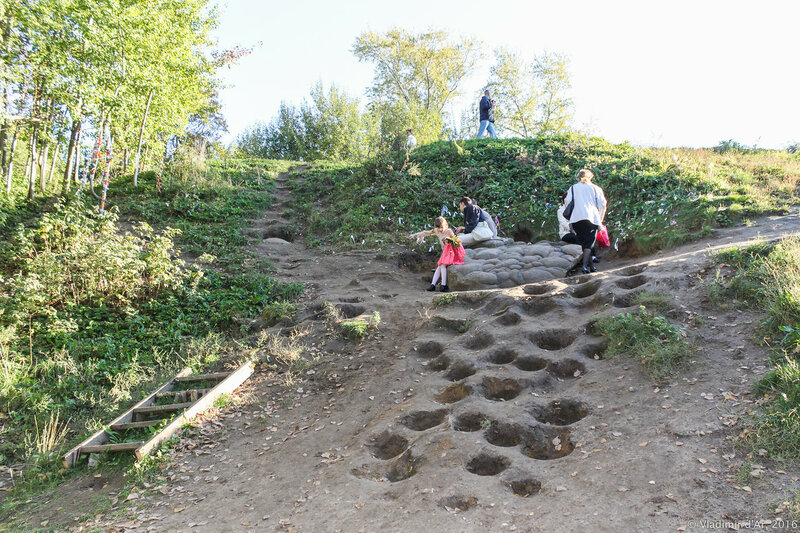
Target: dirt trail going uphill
<point>493,413</point>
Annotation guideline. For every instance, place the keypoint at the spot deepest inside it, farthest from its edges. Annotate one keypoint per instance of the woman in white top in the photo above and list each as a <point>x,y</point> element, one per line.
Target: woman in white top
<point>587,214</point>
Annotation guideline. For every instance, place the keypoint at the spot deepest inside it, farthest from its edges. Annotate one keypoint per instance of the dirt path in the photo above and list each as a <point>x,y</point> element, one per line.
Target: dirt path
<point>493,413</point>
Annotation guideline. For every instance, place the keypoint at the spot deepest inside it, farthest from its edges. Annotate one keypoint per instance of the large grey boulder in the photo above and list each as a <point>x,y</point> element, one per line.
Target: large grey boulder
<point>503,263</point>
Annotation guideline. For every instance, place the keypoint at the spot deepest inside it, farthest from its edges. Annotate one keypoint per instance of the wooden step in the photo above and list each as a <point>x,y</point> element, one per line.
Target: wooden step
<point>189,395</point>
<point>168,408</point>
<point>119,447</point>
<point>134,425</point>
<point>216,376</point>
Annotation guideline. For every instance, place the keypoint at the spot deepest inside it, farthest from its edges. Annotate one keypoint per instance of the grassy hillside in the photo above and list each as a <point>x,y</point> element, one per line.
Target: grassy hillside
<point>96,309</point>
<point>657,198</point>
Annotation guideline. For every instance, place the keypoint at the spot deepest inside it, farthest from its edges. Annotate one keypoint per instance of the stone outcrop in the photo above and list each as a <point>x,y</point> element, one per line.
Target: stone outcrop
<point>503,263</point>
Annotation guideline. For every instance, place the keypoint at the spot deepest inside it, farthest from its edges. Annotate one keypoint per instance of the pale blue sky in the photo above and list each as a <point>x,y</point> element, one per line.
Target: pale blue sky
<point>675,73</point>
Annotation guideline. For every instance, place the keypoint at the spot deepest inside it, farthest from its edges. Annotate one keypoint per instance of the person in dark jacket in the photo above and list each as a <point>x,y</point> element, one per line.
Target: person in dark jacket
<point>486,106</point>
<point>475,228</point>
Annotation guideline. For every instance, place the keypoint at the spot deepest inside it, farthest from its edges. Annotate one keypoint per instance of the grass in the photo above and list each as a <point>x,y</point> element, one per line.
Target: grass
<point>657,198</point>
<point>766,276</point>
<point>358,329</point>
<point>648,338</point>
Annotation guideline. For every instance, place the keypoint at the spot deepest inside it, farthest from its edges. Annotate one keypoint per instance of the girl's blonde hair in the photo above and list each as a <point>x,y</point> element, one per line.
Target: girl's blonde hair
<point>585,175</point>
<point>440,223</point>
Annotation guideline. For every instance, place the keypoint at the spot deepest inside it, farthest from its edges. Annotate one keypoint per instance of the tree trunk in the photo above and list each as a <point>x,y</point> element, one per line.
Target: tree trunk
<point>10,165</point>
<point>141,137</point>
<point>51,172</point>
<point>32,157</point>
<point>125,161</point>
<point>43,167</point>
<point>72,148</point>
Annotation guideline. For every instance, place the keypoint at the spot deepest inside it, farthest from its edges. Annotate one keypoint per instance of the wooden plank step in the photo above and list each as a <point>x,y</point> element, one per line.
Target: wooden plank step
<point>134,425</point>
<point>202,377</point>
<point>119,447</point>
<point>172,394</point>
<point>168,408</point>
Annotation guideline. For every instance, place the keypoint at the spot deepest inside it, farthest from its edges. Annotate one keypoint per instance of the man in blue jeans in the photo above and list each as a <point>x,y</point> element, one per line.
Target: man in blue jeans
<point>487,115</point>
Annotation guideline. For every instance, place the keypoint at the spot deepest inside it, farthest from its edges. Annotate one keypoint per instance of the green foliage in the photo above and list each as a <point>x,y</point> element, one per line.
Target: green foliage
<point>656,198</point>
<point>650,339</point>
<point>767,276</point>
<point>531,98</point>
<point>90,315</point>
<point>415,75</point>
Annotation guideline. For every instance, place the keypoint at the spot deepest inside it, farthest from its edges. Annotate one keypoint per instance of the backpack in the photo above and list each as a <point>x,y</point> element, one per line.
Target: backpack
<point>570,206</point>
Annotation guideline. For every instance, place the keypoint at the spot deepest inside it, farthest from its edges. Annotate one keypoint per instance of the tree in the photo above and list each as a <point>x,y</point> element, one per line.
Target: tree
<point>531,98</point>
<point>415,75</point>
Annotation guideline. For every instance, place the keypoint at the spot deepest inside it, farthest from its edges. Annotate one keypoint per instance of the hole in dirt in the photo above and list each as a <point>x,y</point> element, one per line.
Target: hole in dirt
<point>440,363</point>
<point>279,232</point>
<point>500,389</point>
<point>553,339</point>
<point>387,445</point>
<point>632,282</point>
<point>454,393</point>
<point>586,289</point>
<point>547,442</point>
<point>353,300</point>
<point>577,280</point>
<point>469,422</point>
<point>486,464</point>
<point>530,363</point>
<point>458,504</point>
<point>455,325</point>
<point>594,351</point>
<point>524,487</point>
<point>509,318</point>
<point>538,288</point>
<point>460,370</point>
<point>633,270</point>
<point>479,341</point>
<point>422,420</point>
<point>626,300</point>
<point>351,310</point>
<point>503,356</point>
<point>566,368</point>
<point>403,468</point>
<point>563,412</point>
<point>537,306</point>
<point>430,349</point>
<point>502,434</point>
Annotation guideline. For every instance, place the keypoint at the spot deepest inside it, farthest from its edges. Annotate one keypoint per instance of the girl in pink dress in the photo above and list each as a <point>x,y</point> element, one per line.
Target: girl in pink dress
<point>452,251</point>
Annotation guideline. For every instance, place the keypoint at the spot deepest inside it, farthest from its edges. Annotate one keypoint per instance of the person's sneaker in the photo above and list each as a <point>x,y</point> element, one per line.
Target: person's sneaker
<point>595,259</point>
<point>592,268</point>
<point>585,270</point>
<point>445,288</point>
<point>431,288</point>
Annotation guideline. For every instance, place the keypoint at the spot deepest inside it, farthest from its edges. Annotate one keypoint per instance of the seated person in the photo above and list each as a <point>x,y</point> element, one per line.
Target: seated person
<point>475,228</point>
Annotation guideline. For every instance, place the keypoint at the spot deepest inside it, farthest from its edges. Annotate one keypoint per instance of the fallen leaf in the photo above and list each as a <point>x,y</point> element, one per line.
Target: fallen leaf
<point>702,461</point>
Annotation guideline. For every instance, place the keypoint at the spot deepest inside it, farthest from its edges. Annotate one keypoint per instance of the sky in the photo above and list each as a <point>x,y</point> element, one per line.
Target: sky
<point>653,73</point>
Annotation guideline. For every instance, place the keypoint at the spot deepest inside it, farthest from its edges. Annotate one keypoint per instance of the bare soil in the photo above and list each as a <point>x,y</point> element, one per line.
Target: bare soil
<point>496,412</point>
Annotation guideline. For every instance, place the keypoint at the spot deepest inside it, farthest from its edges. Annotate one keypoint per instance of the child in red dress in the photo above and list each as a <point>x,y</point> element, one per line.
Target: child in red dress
<point>452,251</point>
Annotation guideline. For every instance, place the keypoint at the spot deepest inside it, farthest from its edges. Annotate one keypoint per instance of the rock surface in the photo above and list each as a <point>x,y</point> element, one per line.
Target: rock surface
<point>503,263</point>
